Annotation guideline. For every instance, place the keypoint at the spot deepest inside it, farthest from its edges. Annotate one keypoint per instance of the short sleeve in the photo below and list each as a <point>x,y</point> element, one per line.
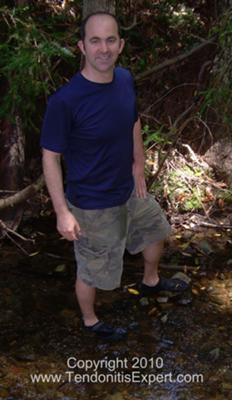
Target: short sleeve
<point>56,125</point>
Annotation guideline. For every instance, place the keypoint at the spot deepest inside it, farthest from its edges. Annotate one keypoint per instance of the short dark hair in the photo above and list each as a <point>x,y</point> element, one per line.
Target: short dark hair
<point>85,20</point>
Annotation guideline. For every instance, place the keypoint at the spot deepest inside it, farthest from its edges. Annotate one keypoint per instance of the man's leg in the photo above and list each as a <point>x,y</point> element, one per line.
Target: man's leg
<point>86,299</point>
<point>151,282</point>
<point>152,254</point>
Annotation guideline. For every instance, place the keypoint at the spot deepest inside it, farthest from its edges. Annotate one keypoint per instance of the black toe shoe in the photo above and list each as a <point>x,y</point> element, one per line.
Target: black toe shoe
<point>105,331</point>
<point>164,285</point>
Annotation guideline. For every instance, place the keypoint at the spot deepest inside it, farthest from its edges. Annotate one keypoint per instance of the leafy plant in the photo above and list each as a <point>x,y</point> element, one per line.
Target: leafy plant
<point>218,95</point>
<point>29,57</point>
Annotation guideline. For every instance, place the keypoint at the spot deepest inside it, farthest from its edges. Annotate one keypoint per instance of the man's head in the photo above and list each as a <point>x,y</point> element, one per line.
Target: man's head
<point>86,19</point>
<point>100,44</point>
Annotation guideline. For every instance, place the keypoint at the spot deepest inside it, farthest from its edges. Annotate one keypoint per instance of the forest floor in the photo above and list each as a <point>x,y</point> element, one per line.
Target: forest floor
<point>178,348</point>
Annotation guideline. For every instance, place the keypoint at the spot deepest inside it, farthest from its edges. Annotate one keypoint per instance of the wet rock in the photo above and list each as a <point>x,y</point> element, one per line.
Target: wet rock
<point>214,354</point>
<point>222,276</point>
<point>133,325</point>
<point>144,301</point>
<point>2,373</point>
<point>182,276</point>
<point>164,318</point>
<point>153,311</point>
<point>205,247</point>
<point>166,343</point>
<point>66,398</point>
<point>165,306</point>
<point>227,386</point>
<point>162,299</point>
<point>185,301</point>
<point>228,375</point>
<point>25,354</point>
<point>115,396</point>
<point>3,393</point>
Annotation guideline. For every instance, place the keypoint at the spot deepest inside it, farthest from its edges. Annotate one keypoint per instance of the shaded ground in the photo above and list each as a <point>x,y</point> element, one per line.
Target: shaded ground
<point>189,334</point>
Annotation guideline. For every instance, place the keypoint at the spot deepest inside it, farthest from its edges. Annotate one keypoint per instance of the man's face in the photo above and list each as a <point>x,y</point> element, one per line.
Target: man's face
<point>102,44</point>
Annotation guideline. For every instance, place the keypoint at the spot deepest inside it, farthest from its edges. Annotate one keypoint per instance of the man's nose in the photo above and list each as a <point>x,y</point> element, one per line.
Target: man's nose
<point>104,47</point>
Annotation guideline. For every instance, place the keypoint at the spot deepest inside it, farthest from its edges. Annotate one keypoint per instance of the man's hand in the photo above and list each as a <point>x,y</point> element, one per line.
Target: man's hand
<point>68,226</point>
<point>139,178</point>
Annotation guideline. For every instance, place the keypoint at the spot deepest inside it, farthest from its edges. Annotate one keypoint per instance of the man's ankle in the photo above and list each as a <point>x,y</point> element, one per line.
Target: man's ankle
<point>150,281</point>
<point>90,321</point>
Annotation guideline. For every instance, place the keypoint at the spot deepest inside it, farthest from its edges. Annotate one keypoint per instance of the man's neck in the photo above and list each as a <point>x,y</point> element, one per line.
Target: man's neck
<point>98,77</point>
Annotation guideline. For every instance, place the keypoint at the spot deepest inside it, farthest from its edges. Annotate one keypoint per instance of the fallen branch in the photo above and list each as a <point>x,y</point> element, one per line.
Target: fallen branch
<point>174,60</point>
<point>216,226</point>
<point>23,194</point>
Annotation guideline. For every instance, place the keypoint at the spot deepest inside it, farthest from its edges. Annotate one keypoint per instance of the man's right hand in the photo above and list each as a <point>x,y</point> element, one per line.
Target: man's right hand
<point>68,226</point>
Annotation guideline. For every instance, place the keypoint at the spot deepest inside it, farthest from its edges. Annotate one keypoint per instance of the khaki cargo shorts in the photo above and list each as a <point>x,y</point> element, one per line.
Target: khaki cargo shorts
<point>108,232</point>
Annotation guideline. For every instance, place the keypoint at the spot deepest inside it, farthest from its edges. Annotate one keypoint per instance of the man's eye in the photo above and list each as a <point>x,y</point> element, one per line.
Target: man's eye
<point>111,40</point>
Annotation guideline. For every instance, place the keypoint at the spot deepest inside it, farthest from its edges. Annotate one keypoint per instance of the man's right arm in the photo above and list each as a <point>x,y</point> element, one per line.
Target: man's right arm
<point>67,225</point>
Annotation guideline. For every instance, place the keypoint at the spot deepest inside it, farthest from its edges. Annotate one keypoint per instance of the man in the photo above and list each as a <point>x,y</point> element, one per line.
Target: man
<point>93,122</point>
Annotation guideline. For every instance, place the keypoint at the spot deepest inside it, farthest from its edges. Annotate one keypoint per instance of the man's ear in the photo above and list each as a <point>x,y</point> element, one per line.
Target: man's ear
<point>122,44</point>
<point>81,46</point>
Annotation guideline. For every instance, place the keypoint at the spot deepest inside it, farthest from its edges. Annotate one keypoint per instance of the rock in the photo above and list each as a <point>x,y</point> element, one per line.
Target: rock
<point>3,393</point>
<point>219,157</point>
<point>214,354</point>
<point>25,354</point>
<point>133,325</point>
<point>166,342</point>
<point>227,386</point>
<point>164,318</point>
<point>162,299</point>
<point>182,276</point>
<point>60,268</point>
<point>144,301</point>
<point>185,301</point>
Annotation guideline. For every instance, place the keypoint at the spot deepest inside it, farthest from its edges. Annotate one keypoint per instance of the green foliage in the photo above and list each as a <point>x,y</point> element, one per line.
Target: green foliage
<point>164,28</point>
<point>182,192</point>
<point>151,136</point>
<point>29,56</point>
<point>218,95</point>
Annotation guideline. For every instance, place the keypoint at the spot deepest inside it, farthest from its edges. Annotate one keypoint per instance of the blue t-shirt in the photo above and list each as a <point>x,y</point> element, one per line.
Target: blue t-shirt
<point>91,124</point>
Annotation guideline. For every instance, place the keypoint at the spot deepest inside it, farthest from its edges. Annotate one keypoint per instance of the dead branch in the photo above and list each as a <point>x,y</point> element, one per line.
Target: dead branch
<point>216,226</point>
<point>23,194</point>
<point>174,60</point>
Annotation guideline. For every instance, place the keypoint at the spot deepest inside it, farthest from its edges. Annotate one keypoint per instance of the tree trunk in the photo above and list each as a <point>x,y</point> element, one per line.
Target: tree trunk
<point>11,168</point>
<point>90,6</point>
<point>21,2</point>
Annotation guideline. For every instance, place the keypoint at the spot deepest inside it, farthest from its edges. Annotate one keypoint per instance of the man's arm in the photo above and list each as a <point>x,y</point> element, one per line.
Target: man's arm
<point>67,225</point>
<point>139,161</point>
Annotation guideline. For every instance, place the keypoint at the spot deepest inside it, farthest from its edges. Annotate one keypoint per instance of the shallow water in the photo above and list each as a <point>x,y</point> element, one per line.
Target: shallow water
<point>176,350</point>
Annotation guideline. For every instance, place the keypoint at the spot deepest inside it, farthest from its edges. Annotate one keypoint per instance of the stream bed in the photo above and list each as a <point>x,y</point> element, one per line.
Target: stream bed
<point>178,348</point>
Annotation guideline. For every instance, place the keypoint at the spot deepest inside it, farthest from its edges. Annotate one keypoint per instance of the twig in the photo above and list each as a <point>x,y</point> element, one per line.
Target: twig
<point>178,267</point>
<point>172,61</point>
<point>167,94</point>
<point>7,229</point>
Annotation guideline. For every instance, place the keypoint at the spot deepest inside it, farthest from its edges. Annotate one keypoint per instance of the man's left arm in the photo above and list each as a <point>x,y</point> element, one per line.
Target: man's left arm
<point>139,161</point>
